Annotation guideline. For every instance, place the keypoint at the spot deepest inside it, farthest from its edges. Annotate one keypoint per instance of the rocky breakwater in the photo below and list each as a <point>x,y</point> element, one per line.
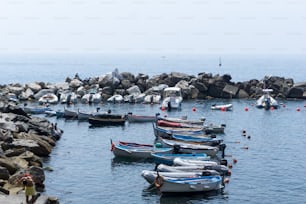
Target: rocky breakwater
<point>24,141</point>
<point>129,86</point>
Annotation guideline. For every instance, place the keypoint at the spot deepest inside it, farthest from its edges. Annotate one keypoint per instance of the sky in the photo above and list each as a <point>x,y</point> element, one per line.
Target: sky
<point>153,26</point>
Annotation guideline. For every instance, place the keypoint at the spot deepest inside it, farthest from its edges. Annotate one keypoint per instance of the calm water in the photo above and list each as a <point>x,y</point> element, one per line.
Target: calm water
<point>272,170</point>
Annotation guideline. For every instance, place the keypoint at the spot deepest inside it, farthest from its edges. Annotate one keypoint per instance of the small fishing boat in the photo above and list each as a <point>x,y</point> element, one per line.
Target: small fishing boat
<point>188,185</point>
<point>107,119</point>
<point>70,114</point>
<point>183,120</point>
<point>150,176</point>
<point>162,158</point>
<point>49,98</point>
<point>166,123</point>
<point>132,118</point>
<point>36,109</point>
<point>166,132</point>
<point>115,99</point>
<point>136,151</point>
<point>211,169</point>
<point>266,101</point>
<point>190,148</point>
<point>191,162</point>
<point>224,107</point>
<point>172,98</point>
<point>196,139</point>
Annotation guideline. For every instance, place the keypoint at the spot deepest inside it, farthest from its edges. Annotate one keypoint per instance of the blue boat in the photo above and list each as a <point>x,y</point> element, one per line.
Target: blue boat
<point>166,158</point>
<point>202,140</point>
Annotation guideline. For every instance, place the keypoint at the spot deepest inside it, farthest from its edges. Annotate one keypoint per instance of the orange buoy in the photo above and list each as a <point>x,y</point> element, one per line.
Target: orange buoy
<point>194,109</point>
<point>246,109</point>
<point>298,109</point>
<point>235,161</point>
<point>226,180</point>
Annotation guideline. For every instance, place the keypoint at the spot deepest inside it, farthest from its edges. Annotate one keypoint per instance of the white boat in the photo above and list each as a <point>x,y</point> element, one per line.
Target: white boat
<point>115,99</point>
<point>136,151</point>
<point>91,98</point>
<point>49,98</point>
<point>172,98</point>
<point>192,162</point>
<point>190,148</point>
<point>213,169</point>
<point>68,97</point>
<point>266,101</point>
<point>188,185</point>
<point>150,176</point>
<point>225,107</point>
<point>152,99</point>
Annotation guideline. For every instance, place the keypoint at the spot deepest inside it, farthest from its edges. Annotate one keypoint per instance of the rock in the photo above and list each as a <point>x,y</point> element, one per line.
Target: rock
<point>15,89</point>
<point>230,89</point>
<point>43,92</point>
<point>4,173</point>
<point>26,95</point>
<point>242,94</point>
<point>125,84</point>
<point>8,164</point>
<point>81,91</point>
<point>128,76</point>
<point>296,92</point>
<point>34,87</point>
<point>194,92</point>
<point>61,86</point>
<point>75,83</point>
<point>134,90</point>
<point>52,200</point>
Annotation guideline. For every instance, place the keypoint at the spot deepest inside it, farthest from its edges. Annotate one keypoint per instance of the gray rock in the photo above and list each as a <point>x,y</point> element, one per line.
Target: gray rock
<point>34,86</point>
<point>134,90</point>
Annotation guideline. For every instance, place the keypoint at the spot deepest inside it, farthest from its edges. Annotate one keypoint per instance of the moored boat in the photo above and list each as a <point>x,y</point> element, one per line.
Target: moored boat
<point>49,98</point>
<point>132,118</point>
<point>188,185</point>
<point>162,158</point>
<point>172,98</point>
<point>136,151</point>
<point>107,119</point>
<point>224,107</point>
<point>266,101</point>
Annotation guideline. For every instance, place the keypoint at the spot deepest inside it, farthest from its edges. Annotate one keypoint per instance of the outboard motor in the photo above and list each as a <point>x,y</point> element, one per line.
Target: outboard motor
<point>176,149</point>
<point>223,162</point>
<point>222,148</point>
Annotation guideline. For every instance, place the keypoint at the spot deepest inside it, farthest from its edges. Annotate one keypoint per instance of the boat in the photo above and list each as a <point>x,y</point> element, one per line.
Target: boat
<point>214,129</point>
<point>50,113</point>
<point>70,114</point>
<point>183,120</point>
<point>68,97</point>
<point>132,118</point>
<point>196,139</point>
<point>152,99</point>
<point>224,107</point>
<point>36,109</point>
<point>166,132</point>
<point>115,99</point>
<point>191,162</point>
<point>172,98</point>
<point>48,98</point>
<point>188,185</point>
<point>190,148</point>
<point>106,119</point>
<point>212,169</point>
<point>150,176</point>
<point>91,97</point>
<point>162,158</point>
<point>84,115</point>
<point>266,101</point>
<point>136,151</point>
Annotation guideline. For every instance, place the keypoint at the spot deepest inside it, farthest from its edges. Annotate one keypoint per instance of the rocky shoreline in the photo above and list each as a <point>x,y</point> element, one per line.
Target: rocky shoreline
<point>24,141</point>
<point>202,86</point>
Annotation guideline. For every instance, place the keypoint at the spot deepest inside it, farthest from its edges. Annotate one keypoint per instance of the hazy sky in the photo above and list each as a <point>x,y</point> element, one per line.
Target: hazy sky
<point>153,26</point>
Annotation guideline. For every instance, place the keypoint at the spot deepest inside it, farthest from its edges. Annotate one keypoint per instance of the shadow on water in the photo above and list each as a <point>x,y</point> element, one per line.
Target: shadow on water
<point>176,198</point>
<point>119,161</point>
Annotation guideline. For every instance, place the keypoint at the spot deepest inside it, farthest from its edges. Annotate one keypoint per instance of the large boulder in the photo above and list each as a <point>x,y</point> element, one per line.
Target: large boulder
<point>27,94</point>
<point>75,83</point>
<point>34,86</point>
<point>296,92</point>
<point>134,90</point>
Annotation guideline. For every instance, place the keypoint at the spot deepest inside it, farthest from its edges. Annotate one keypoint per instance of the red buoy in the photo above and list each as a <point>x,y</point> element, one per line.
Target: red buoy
<point>246,109</point>
<point>222,109</point>
<point>226,180</point>
<point>298,109</point>
<point>194,109</point>
<point>271,108</point>
<point>163,108</point>
<point>235,161</point>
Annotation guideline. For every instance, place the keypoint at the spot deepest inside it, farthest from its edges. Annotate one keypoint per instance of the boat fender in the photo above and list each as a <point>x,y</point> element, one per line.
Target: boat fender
<point>159,181</point>
<point>176,149</point>
<point>223,162</point>
<point>206,173</point>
